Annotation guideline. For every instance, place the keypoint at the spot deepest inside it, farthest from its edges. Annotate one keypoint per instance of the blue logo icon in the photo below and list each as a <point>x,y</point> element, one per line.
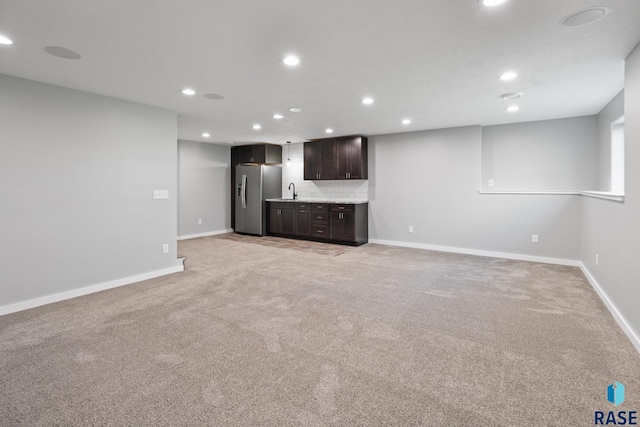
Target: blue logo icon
<point>615,393</point>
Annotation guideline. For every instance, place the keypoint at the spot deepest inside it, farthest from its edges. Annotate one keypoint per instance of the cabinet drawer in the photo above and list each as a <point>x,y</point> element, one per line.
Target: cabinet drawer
<point>303,206</point>
<point>342,208</point>
<point>320,207</point>
<point>320,231</point>
<point>320,216</point>
<point>281,205</point>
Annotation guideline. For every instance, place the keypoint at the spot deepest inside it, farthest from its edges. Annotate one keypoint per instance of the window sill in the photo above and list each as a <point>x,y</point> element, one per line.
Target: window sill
<point>605,195</point>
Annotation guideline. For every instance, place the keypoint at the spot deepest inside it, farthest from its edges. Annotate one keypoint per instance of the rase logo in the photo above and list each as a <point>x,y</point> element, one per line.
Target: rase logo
<point>615,395</point>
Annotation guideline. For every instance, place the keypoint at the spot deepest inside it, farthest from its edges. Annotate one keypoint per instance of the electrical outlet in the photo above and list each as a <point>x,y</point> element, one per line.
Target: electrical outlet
<point>199,221</point>
<point>411,229</point>
<point>160,194</point>
<point>534,238</point>
<point>597,259</point>
<point>490,183</point>
<point>165,248</point>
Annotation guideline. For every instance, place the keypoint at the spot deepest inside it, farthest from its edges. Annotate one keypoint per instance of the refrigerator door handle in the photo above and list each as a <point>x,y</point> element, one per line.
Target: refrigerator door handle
<point>244,191</point>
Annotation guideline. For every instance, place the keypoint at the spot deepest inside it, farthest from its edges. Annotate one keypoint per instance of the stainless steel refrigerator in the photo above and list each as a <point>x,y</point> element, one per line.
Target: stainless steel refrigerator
<point>254,184</point>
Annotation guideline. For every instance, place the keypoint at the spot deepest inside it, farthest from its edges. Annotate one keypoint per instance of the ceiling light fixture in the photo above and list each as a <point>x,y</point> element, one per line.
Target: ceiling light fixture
<point>288,158</point>
<point>329,130</point>
<point>257,126</point>
<point>296,109</point>
<point>513,108</point>
<point>278,116</point>
<point>511,95</point>
<point>509,75</point>
<point>291,60</point>
<point>406,121</point>
<point>205,135</point>
<point>213,96</point>
<point>5,40</point>
<point>62,52</point>
<point>188,92</point>
<point>585,16</point>
<point>491,2</point>
<point>367,101</point>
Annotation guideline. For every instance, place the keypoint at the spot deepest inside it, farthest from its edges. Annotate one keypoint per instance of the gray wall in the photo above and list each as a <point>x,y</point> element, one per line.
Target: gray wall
<point>613,111</point>
<point>429,180</point>
<point>550,155</point>
<point>77,172</point>
<point>204,181</point>
<point>612,229</point>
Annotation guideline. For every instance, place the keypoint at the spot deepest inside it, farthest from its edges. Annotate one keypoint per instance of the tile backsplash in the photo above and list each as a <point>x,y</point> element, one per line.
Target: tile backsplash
<point>342,189</point>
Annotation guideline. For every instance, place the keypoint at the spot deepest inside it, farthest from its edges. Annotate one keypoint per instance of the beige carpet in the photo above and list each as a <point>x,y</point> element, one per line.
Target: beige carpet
<point>264,336</point>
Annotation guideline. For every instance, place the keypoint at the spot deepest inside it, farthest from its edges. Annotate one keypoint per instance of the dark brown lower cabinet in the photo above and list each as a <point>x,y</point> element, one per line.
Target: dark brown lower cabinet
<point>345,223</point>
<point>282,219</point>
<point>303,222</point>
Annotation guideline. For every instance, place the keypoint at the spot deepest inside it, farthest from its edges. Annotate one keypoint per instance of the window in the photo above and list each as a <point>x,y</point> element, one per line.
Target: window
<point>617,156</point>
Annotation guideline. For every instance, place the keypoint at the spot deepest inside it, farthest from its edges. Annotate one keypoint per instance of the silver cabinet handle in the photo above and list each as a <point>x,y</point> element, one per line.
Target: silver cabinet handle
<point>340,207</point>
<point>319,217</point>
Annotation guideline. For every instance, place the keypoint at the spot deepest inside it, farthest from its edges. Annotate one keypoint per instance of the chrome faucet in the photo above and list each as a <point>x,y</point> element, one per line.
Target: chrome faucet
<point>294,190</point>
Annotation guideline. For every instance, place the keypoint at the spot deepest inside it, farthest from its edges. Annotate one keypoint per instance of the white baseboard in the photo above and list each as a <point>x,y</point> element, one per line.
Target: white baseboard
<point>619,318</point>
<point>207,234</point>
<point>478,252</point>
<point>37,302</point>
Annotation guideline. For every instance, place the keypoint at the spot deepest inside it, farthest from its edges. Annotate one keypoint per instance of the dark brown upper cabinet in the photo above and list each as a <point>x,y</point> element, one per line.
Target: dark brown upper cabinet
<point>257,153</point>
<point>319,159</point>
<point>339,158</point>
<point>351,157</point>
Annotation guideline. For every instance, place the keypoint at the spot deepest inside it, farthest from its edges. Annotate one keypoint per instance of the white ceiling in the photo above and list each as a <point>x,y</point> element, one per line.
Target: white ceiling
<point>433,61</point>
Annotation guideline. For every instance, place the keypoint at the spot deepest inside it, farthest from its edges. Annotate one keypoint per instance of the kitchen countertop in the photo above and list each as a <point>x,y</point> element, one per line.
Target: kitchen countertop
<point>308,200</point>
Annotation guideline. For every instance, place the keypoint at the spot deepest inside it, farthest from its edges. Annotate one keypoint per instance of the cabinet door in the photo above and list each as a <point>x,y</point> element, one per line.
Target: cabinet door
<point>303,222</point>
<point>288,221</point>
<point>343,153</point>
<point>327,158</point>
<point>351,153</point>
<point>274,224</point>
<point>259,154</point>
<point>311,160</point>
<point>342,226</point>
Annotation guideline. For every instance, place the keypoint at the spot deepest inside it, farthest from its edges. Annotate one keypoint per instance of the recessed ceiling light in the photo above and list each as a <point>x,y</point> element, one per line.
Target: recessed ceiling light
<point>205,135</point>
<point>585,16</point>
<point>406,121</point>
<point>62,52</point>
<point>291,60</point>
<point>296,109</point>
<point>5,40</point>
<point>213,96</point>
<point>278,116</point>
<point>511,95</point>
<point>509,75</point>
<point>257,126</point>
<point>188,92</point>
<point>513,108</point>
<point>491,2</point>
<point>367,101</point>
<point>329,130</point>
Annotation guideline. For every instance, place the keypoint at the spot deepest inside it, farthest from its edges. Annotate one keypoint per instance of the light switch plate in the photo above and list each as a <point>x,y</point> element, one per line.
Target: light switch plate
<point>160,194</point>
